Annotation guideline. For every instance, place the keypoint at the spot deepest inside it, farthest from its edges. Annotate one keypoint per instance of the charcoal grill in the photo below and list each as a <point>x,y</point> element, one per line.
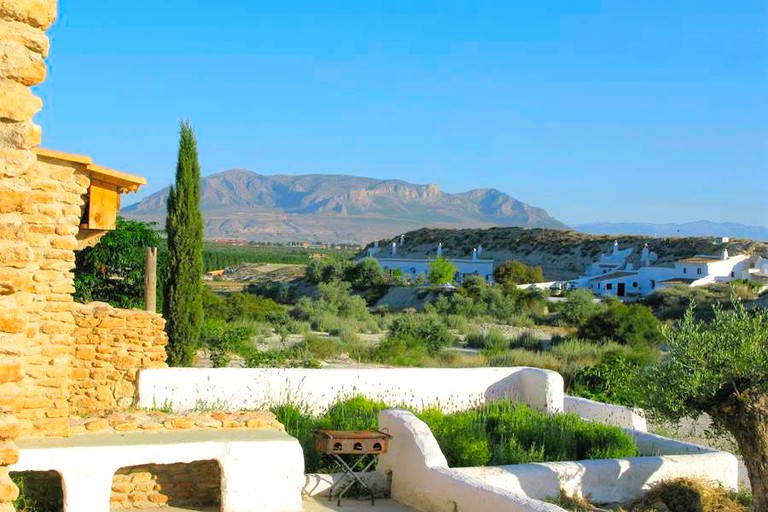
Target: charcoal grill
<point>362,447</point>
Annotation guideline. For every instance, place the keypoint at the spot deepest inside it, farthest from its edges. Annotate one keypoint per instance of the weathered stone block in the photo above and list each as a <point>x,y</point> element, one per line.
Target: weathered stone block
<point>38,13</point>
<point>52,427</point>
<point>17,103</point>
<point>11,399</point>
<point>8,490</point>
<point>9,426</point>
<point>10,370</point>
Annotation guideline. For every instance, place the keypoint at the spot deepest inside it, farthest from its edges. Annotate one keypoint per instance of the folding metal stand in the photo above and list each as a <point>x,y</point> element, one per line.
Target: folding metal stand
<point>363,446</point>
<point>349,475</point>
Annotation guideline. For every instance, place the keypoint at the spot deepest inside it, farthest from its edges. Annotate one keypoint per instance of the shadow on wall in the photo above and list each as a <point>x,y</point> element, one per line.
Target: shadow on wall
<point>604,482</point>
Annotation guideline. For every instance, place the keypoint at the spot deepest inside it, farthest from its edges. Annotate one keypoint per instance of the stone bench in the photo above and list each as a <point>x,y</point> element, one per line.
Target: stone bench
<point>261,470</point>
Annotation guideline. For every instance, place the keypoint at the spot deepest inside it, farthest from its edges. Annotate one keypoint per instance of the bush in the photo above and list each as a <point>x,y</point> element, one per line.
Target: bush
<point>429,329</point>
<point>503,432</point>
<point>333,304</point>
<point>223,339</point>
<point>527,340</point>
<point>403,351</point>
<point>632,325</point>
<point>580,307</point>
<point>492,340</point>
<point>512,272</point>
<point>238,306</point>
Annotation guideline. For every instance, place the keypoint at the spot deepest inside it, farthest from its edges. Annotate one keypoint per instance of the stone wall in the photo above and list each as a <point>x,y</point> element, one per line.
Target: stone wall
<point>196,483</point>
<point>25,310</point>
<point>110,347</point>
<point>53,219</point>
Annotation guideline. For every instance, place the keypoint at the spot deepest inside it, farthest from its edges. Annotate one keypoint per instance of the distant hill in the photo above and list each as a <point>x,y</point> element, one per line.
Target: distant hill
<point>698,228</point>
<point>561,254</point>
<point>337,208</point>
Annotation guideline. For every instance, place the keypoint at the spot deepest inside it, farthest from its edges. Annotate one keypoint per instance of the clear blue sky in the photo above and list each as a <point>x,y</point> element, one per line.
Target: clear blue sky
<point>653,111</point>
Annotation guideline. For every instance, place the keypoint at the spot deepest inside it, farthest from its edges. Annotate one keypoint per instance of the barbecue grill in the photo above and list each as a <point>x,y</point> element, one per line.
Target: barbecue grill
<point>362,446</point>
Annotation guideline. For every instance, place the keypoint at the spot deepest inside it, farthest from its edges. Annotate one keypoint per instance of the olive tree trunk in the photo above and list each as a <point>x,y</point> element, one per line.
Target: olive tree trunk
<point>748,424</point>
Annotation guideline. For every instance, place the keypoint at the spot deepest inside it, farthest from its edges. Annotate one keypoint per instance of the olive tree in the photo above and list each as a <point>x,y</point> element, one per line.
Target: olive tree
<point>719,368</point>
<point>441,271</point>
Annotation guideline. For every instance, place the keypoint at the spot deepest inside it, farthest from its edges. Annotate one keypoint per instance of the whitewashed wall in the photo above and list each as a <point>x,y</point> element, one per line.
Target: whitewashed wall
<point>452,389</point>
<point>609,414</point>
<point>421,477</point>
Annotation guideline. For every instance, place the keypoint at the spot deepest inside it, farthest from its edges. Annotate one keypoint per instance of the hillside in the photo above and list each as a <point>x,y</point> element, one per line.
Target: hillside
<point>337,208</point>
<point>561,254</point>
<point>698,228</point>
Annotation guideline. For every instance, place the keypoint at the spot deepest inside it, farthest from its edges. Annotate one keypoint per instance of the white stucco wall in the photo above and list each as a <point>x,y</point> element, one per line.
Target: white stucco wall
<point>452,389</point>
<point>248,482</point>
<point>609,414</point>
<point>420,475</point>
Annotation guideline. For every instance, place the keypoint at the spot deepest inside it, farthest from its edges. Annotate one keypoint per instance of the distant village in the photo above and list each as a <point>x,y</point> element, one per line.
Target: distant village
<point>620,273</point>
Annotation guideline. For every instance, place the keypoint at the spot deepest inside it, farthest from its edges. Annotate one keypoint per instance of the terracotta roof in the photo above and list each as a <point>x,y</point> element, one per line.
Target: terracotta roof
<point>125,182</point>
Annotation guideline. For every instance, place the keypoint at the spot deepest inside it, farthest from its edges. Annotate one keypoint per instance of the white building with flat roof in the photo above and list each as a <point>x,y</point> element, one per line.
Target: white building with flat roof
<point>412,267</point>
<point>614,274</point>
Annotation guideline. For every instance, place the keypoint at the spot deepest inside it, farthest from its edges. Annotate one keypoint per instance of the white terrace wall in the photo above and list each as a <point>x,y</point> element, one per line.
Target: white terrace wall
<point>184,389</point>
<point>421,477</point>
<point>609,414</point>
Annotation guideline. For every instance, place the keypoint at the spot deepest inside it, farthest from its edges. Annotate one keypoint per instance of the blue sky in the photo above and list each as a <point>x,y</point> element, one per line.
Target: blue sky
<point>650,111</point>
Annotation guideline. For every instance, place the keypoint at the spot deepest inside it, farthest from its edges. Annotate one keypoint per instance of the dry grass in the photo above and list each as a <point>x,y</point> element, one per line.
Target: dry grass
<point>688,495</point>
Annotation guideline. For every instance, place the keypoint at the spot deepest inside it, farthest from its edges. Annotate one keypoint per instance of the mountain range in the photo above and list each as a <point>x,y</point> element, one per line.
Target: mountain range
<point>242,204</point>
<point>698,228</point>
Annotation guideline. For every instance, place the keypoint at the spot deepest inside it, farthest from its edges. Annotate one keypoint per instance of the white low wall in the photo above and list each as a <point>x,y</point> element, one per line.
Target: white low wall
<point>414,457</point>
<point>421,477</point>
<point>261,470</point>
<point>452,389</point>
<point>609,414</point>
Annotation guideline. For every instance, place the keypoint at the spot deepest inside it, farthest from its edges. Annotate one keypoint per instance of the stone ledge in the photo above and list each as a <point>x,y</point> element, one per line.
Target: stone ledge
<point>157,421</point>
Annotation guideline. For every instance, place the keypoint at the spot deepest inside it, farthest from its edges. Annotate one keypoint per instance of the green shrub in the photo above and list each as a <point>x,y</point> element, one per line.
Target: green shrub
<point>224,339</point>
<point>527,340</point>
<point>503,432</point>
<point>402,351</point>
<point>492,340</point>
<point>580,307</point>
<point>632,325</point>
<point>429,329</point>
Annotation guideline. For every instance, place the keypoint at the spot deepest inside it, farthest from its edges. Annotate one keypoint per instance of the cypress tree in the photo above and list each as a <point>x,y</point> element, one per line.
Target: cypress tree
<point>182,293</point>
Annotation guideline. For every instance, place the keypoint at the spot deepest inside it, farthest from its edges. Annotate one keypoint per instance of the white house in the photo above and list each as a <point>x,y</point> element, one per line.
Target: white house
<point>614,274</point>
<point>412,268</point>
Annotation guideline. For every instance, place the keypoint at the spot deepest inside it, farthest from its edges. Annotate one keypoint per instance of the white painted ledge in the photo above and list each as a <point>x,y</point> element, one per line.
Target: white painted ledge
<point>261,470</point>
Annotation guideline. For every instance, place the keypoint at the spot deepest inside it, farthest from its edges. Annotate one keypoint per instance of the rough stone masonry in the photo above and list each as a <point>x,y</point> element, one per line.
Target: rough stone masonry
<point>34,298</point>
